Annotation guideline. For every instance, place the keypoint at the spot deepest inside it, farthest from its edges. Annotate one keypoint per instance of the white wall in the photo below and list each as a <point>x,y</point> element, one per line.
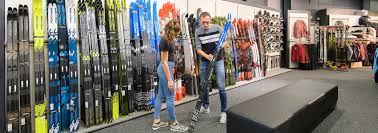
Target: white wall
<point>214,7</point>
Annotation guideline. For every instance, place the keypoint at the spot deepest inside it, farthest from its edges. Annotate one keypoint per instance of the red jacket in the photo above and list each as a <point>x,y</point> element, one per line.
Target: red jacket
<point>299,53</point>
<point>300,29</point>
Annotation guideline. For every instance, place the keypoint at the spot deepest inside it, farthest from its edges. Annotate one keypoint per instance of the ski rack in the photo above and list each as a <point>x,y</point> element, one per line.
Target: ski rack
<point>104,59</point>
<point>204,84</point>
<point>73,106</point>
<point>87,110</point>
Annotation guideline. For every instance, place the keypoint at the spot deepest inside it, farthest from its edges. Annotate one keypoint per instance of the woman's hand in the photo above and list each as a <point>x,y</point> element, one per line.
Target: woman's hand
<point>170,85</point>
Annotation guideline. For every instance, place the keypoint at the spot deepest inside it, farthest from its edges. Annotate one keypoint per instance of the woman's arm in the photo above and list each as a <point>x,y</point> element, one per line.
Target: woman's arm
<point>164,60</point>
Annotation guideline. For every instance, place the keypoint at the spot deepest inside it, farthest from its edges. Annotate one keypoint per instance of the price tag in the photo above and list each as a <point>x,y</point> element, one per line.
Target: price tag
<point>96,103</point>
<point>9,127</point>
<point>129,87</point>
<point>10,89</point>
<point>27,83</point>
<point>22,121</point>
<point>86,105</point>
<point>109,94</point>
<point>51,106</point>
<point>116,87</point>
<point>123,92</point>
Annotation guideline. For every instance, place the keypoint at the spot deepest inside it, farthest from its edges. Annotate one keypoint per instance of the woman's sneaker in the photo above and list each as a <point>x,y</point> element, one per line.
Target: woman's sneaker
<point>205,110</point>
<point>179,128</point>
<point>158,125</point>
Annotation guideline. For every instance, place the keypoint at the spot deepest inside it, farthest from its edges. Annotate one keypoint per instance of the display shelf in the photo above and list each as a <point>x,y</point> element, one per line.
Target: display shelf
<point>183,101</point>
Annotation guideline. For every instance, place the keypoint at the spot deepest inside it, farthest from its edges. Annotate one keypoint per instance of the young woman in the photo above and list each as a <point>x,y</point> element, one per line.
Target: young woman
<point>164,71</point>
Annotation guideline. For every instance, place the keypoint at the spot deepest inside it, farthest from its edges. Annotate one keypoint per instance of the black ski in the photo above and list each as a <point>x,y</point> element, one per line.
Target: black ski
<point>87,110</point>
<point>25,106</point>
<point>11,55</point>
<point>104,57</point>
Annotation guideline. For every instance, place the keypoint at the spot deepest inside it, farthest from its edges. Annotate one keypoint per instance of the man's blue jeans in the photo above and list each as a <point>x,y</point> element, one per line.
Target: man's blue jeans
<point>220,78</point>
<point>163,91</point>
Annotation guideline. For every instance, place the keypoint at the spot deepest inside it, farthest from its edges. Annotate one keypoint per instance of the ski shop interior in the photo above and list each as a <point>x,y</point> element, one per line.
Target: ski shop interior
<point>292,66</point>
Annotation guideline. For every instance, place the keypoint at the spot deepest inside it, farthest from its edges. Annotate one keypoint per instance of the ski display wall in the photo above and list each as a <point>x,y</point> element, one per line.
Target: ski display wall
<point>12,72</point>
<point>73,105</point>
<point>24,69</point>
<point>39,68</point>
<point>53,64</point>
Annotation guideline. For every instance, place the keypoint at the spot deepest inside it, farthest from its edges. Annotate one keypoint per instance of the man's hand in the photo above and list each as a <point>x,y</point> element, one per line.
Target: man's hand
<point>224,45</point>
<point>209,57</point>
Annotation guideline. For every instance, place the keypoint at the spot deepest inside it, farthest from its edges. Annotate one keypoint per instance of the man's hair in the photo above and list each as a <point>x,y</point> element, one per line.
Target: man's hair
<point>205,14</point>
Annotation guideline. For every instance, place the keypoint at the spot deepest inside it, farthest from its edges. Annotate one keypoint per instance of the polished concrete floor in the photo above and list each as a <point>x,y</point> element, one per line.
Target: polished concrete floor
<point>356,112</point>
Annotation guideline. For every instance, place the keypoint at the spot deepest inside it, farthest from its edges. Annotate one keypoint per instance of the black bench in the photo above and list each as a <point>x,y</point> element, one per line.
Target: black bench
<point>295,108</point>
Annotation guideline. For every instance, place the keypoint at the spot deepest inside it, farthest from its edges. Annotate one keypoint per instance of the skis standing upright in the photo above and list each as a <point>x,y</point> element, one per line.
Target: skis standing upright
<point>54,97</point>
<point>87,110</point>
<point>129,58</point>
<point>114,53</point>
<point>71,9</point>
<point>95,62</point>
<point>63,64</point>
<point>24,68</point>
<point>104,57</point>
<point>12,72</point>
<point>123,103</point>
<point>39,68</point>
<point>204,84</point>
<point>135,41</point>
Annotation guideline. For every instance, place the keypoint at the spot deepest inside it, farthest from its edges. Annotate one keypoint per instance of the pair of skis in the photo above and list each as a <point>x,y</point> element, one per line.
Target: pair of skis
<point>53,65</point>
<point>24,68</point>
<point>39,68</point>
<point>104,59</point>
<point>12,72</point>
<point>87,105</point>
<point>63,66</point>
<point>204,83</point>
<point>18,105</point>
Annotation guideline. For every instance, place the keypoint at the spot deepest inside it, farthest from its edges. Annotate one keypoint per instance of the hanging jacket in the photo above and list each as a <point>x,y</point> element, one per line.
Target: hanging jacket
<point>362,51</point>
<point>375,65</point>
<point>300,29</point>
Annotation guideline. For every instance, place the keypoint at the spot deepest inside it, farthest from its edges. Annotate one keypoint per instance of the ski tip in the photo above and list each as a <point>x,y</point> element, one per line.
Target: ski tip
<point>26,10</point>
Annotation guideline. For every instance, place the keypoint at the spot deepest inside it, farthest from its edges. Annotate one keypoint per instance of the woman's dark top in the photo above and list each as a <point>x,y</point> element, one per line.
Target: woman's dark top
<point>166,46</point>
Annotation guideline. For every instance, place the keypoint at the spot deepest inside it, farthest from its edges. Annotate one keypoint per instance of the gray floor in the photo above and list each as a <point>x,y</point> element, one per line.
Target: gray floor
<point>357,108</point>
